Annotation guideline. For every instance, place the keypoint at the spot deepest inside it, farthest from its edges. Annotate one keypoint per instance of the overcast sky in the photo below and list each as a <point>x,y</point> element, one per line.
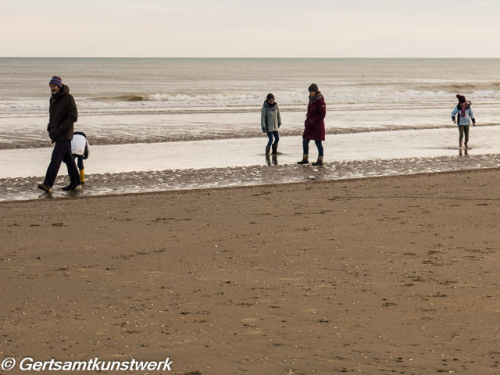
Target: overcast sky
<point>249,28</point>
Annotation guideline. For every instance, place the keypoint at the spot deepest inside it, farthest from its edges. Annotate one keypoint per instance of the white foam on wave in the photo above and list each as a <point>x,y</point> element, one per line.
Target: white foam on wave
<point>203,98</point>
<point>217,101</point>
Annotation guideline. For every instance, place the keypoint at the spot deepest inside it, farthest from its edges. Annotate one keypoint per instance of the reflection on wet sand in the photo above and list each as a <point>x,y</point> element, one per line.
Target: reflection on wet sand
<point>135,168</point>
<point>263,174</point>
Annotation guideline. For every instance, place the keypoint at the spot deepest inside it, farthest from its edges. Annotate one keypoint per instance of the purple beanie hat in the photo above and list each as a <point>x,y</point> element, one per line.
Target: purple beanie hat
<point>56,81</point>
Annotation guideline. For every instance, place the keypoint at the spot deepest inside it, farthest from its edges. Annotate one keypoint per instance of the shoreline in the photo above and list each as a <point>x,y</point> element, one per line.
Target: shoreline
<point>393,274</point>
<point>107,184</point>
<point>206,164</point>
<point>72,196</point>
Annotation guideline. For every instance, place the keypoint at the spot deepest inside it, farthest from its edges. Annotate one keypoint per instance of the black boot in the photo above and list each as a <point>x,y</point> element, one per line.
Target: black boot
<point>305,159</point>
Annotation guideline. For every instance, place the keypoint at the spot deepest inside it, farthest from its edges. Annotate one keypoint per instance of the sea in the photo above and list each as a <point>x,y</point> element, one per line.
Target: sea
<point>186,123</point>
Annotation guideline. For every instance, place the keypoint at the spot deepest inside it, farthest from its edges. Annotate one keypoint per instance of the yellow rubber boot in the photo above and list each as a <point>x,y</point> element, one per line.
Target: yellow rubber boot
<point>82,176</point>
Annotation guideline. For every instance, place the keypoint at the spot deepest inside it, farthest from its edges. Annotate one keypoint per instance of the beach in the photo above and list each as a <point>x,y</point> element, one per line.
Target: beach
<point>154,167</point>
<point>381,275</point>
<point>187,244</point>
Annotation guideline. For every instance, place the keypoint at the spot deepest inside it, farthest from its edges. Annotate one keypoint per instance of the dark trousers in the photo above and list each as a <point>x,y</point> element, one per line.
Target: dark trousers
<point>62,153</point>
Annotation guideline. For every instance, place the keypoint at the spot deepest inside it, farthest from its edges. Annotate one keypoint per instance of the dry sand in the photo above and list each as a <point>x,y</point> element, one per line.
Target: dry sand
<point>393,275</point>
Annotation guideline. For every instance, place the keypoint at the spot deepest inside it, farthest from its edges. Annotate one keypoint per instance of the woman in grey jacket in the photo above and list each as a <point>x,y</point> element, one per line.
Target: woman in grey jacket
<point>270,121</point>
<point>465,115</point>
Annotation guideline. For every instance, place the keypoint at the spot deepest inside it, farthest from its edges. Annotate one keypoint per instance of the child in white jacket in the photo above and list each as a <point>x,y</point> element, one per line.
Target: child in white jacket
<point>80,149</point>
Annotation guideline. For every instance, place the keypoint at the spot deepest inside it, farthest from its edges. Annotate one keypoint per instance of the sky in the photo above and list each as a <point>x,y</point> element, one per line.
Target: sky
<point>250,28</point>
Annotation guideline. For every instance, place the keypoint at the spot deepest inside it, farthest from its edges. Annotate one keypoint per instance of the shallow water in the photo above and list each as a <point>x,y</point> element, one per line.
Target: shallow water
<point>142,157</point>
<point>238,162</point>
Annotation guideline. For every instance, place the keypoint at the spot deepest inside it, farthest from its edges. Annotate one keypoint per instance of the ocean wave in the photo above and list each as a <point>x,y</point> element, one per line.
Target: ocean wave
<point>344,98</point>
<point>204,98</point>
<point>162,97</point>
<point>460,87</point>
<point>120,98</point>
<point>131,98</point>
<point>340,95</point>
<point>424,86</point>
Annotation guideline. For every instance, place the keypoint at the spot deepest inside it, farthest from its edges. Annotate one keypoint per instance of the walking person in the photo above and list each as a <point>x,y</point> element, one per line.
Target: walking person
<point>314,125</point>
<point>80,150</point>
<point>270,121</point>
<point>465,115</point>
<point>62,116</point>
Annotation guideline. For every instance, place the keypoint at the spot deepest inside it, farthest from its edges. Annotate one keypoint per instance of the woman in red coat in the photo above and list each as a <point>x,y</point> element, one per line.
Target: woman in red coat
<point>314,125</point>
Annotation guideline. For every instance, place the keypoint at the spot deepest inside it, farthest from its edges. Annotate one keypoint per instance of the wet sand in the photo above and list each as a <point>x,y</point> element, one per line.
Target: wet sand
<point>270,171</point>
<point>228,153</point>
<point>373,276</point>
<point>134,168</point>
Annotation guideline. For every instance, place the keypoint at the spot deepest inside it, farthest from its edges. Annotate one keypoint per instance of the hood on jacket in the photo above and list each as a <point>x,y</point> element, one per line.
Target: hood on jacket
<point>267,105</point>
<point>316,97</point>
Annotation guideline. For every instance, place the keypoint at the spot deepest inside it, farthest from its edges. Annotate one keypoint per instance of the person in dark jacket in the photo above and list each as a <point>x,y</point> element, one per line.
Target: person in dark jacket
<point>314,125</point>
<point>62,116</point>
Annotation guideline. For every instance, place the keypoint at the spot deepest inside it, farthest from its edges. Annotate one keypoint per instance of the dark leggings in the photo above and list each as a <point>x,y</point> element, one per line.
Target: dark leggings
<point>305,146</point>
<point>79,161</point>
<point>464,129</point>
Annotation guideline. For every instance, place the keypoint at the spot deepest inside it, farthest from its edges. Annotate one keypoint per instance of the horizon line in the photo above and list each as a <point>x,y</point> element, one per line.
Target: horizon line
<point>226,57</point>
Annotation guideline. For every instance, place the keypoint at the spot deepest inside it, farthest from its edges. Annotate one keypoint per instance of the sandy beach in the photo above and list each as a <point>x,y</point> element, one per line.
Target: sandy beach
<point>391,275</point>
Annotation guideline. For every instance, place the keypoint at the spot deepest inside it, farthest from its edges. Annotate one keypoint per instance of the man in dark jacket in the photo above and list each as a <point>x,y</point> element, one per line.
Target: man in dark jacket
<point>63,114</point>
